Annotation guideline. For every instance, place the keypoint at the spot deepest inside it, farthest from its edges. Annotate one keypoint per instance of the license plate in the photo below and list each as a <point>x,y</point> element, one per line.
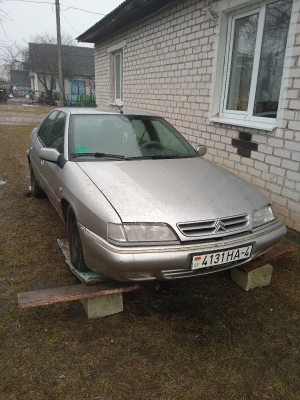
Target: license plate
<point>222,257</point>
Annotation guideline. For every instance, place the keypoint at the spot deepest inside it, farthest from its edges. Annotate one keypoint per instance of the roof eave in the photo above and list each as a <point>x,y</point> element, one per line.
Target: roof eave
<point>128,12</point>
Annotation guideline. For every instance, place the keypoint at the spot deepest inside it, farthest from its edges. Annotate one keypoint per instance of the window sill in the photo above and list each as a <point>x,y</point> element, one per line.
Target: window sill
<point>261,125</point>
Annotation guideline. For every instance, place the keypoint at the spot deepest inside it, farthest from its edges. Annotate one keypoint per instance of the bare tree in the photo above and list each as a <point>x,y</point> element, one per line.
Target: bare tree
<point>14,55</point>
<point>3,17</point>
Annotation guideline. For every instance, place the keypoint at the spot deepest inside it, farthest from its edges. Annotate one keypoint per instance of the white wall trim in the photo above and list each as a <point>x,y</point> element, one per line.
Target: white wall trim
<point>117,46</point>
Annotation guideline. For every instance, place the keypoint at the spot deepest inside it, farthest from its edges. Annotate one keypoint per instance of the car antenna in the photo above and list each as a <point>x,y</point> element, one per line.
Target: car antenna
<point>120,109</point>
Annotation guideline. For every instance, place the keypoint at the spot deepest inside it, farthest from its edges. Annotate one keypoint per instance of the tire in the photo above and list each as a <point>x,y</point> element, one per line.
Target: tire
<point>36,190</point>
<point>76,252</point>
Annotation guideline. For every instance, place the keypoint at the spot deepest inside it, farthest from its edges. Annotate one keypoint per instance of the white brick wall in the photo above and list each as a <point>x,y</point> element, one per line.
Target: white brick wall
<point>170,69</point>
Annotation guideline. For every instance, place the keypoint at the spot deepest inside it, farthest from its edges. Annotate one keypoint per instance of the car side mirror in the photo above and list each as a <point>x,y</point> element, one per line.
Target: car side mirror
<point>201,150</point>
<point>52,155</point>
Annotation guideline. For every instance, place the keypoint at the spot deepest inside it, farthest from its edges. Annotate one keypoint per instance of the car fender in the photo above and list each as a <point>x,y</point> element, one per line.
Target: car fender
<point>90,206</point>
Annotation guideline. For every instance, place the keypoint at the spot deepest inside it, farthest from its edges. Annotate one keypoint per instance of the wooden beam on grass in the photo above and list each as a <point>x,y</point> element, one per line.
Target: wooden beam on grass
<point>68,293</point>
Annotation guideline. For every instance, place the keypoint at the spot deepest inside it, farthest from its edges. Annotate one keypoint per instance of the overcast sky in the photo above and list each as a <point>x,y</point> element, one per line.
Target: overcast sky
<point>23,19</point>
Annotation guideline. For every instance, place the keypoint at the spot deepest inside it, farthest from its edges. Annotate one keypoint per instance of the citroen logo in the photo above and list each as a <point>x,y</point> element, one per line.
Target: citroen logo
<point>219,226</point>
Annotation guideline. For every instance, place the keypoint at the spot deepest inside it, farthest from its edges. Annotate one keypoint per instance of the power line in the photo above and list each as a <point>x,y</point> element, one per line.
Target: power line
<point>68,22</point>
<point>90,45</point>
<point>68,7</point>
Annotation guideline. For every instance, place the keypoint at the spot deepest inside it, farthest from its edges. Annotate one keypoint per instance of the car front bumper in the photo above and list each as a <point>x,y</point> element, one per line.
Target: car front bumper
<point>170,262</point>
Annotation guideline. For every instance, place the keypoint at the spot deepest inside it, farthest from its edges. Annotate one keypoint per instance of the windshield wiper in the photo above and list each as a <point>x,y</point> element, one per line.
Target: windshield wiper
<point>98,155</point>
<point>121,157</point>
<point>153,157</point>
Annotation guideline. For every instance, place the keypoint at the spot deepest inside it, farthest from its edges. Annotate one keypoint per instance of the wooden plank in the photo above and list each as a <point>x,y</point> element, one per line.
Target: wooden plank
<point>277,251</point>
<point>75,292</point>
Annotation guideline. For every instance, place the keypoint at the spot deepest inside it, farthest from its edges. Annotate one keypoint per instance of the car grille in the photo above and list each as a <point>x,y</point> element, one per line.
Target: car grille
<point>222,226</point>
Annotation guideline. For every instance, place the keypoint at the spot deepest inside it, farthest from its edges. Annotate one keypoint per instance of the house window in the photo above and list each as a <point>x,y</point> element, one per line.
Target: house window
<point>115,54</point>
<point>254,62</point>
<point>81,86</point>
<point>116,77</point>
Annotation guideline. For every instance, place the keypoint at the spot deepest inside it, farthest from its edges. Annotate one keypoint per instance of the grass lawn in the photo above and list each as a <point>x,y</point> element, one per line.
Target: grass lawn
<point>203,339</point>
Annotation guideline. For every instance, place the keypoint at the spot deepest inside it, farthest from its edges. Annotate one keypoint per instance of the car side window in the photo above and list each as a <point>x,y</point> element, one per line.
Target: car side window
<point>46,127</point>
<point>55,138</point>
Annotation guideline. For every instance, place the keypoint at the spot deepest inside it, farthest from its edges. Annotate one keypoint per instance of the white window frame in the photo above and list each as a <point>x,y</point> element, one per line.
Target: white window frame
<point>113,52</point>
<point>235,117</point>
<point>118,77</point>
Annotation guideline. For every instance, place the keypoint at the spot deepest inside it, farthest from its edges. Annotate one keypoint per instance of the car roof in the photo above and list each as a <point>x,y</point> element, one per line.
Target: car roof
<point>89,111</point>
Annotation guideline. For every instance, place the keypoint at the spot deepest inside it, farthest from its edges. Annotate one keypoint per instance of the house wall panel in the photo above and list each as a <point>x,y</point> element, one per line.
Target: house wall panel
<point>173,66</point>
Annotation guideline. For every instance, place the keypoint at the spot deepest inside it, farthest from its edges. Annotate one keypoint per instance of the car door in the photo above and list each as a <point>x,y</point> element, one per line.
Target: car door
<point>38,141</point>
<point>52,173</point>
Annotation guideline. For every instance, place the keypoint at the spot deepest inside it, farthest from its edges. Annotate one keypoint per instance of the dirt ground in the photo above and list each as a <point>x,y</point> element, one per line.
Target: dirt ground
<point>22,114</point>
<point>199,339</point>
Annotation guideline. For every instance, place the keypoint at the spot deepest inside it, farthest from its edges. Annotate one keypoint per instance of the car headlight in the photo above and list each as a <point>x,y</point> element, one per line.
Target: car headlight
<point>130,233</point>
<point>263,216</point>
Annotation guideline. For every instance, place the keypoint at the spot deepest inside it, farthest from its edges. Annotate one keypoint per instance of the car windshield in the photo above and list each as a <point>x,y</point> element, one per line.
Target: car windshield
<point>125,137</point>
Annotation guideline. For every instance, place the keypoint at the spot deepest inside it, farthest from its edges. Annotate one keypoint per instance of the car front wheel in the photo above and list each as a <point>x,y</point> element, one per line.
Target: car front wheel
<point>76,252</point>
<point>36,190</point>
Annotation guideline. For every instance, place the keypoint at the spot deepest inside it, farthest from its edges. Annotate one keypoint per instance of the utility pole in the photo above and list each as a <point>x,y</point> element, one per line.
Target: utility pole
<point>60,76</point>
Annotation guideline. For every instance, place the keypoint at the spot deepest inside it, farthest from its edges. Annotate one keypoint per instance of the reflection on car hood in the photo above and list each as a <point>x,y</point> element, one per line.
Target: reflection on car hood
<point>172,191</point>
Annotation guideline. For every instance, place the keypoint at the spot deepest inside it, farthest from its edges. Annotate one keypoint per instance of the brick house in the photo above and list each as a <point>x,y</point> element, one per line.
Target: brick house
<point>77,63</point>
<point>226,73</point>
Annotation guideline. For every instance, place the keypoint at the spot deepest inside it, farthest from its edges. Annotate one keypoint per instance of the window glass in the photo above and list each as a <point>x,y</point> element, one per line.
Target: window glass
<point>46,127</point>
<point>168,137</point>
<point>140,130</point>
<point>272,58</point>
<point>130,136</point>
<point>56,137</point>
<point>116,76</point>
<point>256,58</point>
<point>242,62</point>
<point>82,86</point>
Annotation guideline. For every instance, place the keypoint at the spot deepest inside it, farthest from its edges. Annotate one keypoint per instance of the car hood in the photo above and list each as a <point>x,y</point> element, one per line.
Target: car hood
<point>172,190</point>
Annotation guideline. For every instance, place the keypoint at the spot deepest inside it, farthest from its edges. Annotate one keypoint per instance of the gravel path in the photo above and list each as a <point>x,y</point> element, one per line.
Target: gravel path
<point>22,114</point>
<point>17,120</point>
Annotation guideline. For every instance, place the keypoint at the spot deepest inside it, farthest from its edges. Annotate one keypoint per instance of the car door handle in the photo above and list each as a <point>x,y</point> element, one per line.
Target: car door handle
<point>42,162</point>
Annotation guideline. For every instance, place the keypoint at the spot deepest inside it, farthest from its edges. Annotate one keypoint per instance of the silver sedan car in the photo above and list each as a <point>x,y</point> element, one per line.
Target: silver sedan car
<point>140,203</point>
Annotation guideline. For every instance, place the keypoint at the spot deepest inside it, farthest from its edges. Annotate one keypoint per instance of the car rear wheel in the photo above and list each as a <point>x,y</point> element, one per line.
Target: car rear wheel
<point>76,252</point>
<point>36,190</point>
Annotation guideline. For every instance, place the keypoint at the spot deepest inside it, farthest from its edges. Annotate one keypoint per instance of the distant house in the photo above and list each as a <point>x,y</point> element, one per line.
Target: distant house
<point>20,80</point>
<point>4,76</point>
<point>225,73</point>
<point>77,63</point>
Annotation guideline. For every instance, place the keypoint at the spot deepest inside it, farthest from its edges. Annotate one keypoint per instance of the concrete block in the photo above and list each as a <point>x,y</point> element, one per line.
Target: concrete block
<point>97,307</point>
<point>257,277</point>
